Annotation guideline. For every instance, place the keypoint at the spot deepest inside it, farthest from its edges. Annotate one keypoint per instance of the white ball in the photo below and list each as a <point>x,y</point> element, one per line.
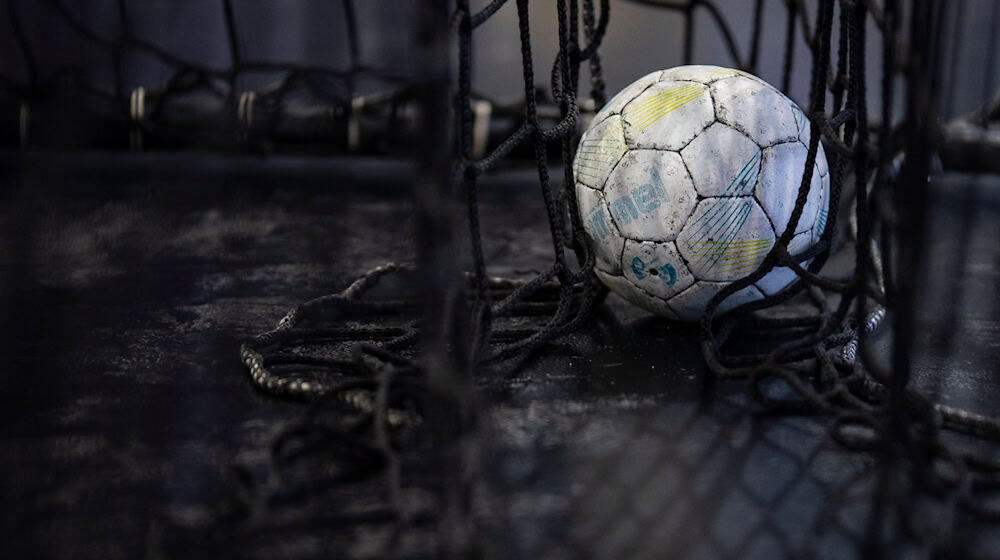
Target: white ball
<point>684,180</point>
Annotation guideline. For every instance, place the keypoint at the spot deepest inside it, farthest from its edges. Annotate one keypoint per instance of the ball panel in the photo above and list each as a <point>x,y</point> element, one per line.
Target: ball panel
<point>722,162</point>
<point>650,195</point>
<point>805,130</point>
<point>598,152</point>
<point>656,268</point>
<point>777,187</point>
<point>667,115</point>
<point>814,202</point>
<point>726,238</point>
<point>757,110</point>
<point>690,304</point>
<point>597,224</point>
<point>614,106</point>
<point>824,169</point>
<point>629,292</point>
<point>779,278</point>
<point>801,122</point>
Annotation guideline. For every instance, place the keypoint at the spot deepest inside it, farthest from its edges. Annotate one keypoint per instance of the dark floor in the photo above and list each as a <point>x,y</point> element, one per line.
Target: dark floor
<point>128,284</point>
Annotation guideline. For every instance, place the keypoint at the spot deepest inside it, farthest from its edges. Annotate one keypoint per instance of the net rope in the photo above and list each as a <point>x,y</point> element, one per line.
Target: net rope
<point>871,406</point>
<point>369,391</point>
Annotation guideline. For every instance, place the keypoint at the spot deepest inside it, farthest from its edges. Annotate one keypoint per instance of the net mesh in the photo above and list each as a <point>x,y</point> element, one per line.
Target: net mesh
<point>391,443</point>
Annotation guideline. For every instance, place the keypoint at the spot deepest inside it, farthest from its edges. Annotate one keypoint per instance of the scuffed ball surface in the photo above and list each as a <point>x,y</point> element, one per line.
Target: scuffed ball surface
<point>685,179</point>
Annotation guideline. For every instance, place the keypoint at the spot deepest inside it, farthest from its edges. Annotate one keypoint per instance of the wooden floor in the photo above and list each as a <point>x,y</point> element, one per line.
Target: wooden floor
<point>127,286</point>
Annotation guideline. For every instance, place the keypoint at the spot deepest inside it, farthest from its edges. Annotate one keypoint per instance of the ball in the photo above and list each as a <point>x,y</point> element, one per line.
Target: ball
<point>685,179</point>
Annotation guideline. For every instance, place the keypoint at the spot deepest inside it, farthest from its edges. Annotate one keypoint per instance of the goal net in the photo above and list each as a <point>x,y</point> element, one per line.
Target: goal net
<point>403,447</point>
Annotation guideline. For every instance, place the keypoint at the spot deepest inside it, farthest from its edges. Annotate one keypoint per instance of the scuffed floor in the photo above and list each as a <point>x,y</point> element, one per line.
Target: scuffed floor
<point>126,293</point>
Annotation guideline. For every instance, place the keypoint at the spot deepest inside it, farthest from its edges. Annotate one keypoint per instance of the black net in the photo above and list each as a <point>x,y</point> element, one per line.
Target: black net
<point>393,456</point>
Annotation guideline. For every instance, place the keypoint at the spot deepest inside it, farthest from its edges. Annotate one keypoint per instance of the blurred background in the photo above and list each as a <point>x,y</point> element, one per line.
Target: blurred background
<point>74,45</point>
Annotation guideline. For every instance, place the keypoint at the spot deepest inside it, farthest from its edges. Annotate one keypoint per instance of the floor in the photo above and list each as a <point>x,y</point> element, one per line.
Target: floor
<point>128,284</point>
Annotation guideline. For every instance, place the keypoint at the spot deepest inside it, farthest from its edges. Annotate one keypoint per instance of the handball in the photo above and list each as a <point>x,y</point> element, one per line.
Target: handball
<point>684,181</point>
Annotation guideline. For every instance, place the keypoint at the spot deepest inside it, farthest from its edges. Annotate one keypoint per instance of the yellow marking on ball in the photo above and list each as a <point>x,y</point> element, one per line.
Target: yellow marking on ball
<point>739,243</point>
<point>726,73</point>
<point>730,255</point>
<point>655,105</point>
<point>600,153</point>
<point>643,114</point>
